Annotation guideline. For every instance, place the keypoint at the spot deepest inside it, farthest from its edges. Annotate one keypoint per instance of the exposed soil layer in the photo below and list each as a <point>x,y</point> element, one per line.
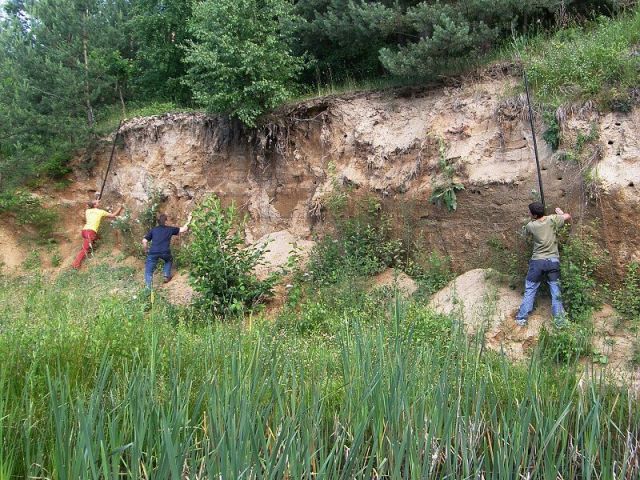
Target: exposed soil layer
<point>396,145</point>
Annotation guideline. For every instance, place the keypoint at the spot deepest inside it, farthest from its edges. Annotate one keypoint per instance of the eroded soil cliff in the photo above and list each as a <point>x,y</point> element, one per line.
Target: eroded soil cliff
<point>398,145</point>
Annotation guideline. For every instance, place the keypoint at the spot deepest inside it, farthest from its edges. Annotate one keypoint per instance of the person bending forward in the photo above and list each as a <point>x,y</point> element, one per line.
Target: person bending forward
<point>545,262</point>
<point>93,216</point>
<point>160,238</point>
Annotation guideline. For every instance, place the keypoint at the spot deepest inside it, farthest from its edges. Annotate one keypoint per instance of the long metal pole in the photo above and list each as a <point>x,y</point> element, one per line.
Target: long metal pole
<point>113,148</point>
<point>535,144</point>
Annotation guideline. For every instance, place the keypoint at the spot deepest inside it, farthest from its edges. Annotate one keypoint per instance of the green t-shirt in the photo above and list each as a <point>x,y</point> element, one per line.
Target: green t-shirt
<point>545,241</point>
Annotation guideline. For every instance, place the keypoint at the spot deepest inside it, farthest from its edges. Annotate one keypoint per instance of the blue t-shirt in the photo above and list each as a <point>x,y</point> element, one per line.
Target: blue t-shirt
<point>160,238</point>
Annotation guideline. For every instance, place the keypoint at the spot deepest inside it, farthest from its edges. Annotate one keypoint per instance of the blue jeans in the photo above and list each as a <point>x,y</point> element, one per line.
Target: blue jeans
<point>152,262</point>
<point>538,269</point>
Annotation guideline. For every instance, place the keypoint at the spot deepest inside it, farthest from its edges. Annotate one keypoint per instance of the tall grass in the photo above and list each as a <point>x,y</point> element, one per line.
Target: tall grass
<point>129,389</point>
<point>597,61</point>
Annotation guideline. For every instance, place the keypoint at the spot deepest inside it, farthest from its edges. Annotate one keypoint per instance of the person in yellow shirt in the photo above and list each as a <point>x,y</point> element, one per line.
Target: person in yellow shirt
<point>93,216</point>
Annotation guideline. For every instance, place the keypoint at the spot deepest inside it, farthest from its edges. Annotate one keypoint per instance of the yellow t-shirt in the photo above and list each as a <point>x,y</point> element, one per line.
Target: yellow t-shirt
<point>94,217</point>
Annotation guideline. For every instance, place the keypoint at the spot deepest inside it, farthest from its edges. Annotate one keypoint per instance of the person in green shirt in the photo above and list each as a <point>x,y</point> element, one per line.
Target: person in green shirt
<point>545,262</point>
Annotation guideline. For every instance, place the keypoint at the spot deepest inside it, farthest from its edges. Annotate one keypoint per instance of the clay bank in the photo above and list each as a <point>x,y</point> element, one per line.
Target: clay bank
<point>398,145</point>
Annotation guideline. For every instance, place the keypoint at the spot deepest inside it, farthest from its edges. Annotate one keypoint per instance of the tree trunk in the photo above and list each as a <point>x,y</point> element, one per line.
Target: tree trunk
<point>124,110</point>
<point>85,42</point>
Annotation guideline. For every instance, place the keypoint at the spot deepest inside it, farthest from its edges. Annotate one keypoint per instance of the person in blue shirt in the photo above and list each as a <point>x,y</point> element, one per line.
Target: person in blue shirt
<point>160,238</point>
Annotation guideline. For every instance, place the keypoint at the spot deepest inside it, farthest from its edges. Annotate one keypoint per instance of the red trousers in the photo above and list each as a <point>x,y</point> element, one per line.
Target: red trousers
<point>88,236</point>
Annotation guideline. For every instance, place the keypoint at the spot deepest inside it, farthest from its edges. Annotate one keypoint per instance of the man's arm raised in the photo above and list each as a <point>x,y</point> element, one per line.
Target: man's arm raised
<point>185,227</point>
<point>117,214</point>
<point>565,216</point>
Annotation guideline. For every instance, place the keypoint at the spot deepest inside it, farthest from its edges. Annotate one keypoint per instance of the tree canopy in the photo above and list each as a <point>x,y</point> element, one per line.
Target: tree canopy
<point>67,64</point>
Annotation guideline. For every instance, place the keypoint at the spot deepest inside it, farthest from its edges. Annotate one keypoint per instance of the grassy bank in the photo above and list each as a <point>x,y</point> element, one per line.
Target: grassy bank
<point>598,61</point>
<point>96,382</point>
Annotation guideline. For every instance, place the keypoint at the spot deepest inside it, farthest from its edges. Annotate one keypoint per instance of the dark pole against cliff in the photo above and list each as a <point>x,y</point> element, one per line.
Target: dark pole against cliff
<point>113,148</point>
<point>535,144</point>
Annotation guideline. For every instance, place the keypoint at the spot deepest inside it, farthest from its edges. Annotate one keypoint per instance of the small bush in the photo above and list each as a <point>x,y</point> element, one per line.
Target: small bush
<point>446,195</point>
<point>444,190</point>
<point>566,344</point>
<point>627,298</point>
<point>432,272</point>
<point>130,233</point>
<point>426,327</point>
<point>361,245</point>
<point>552,135</point>
<point>578,265</point>
<point>56,259</point>
<point>221,264</point>
<point>149,216</point>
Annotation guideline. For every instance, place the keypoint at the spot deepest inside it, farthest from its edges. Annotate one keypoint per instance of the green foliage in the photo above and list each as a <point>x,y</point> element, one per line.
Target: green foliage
<point>344,37</point>
<point>57,165</point>
<point>444,192</point>
<point>425,327</point>
<point>221,264</point>
<point>56,70</point>
<point>240,62</point>
<point>552,135</point>
<point>566,344</point>
<point>627,298</point>
<point>129,233</point>
<point>583,62</point>
<point>446,195</point>
<point>148,217</point>
<point>580,259</point>
<point>362,244</point>
<point>28,210</point>
<point>160,30</point>
<point>90,393</point>
<point>33,261</point>
<point>132,230</point>
<point>56,259</point>
<point>432,271</point>
<point>415,39</point>
<point>446,37</point>
<point>324,311</point>
<point>583,139</point>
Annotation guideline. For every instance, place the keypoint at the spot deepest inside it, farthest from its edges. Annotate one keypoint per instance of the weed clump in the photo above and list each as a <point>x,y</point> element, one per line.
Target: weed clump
<point>445,188</point>
<point>626,300</point>
<point>579,261</point>
<point>567,344</point>
<point>361,244</point>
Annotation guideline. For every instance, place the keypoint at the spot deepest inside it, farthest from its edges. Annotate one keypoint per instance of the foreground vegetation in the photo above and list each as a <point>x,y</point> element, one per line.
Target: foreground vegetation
<point>98,382</point>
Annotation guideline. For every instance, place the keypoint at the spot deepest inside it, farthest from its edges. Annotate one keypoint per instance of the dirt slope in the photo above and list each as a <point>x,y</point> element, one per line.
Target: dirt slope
<point>488,307</point>
<point>389,144</point>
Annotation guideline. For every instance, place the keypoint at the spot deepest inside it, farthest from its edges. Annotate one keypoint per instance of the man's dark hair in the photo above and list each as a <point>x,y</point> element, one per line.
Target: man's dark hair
<point>162,219</point>
<point>536,209</point>
<point>92,203</point>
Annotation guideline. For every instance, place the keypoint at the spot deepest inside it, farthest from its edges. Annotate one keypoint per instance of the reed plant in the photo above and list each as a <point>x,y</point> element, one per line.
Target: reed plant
<point>132,389</point>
